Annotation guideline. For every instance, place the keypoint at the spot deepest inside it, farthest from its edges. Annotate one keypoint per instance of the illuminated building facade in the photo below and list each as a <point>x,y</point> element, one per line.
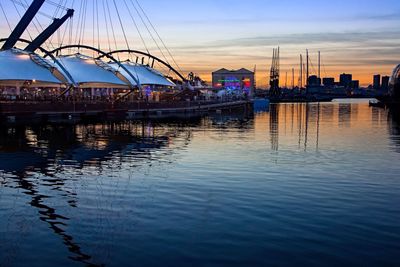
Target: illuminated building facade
<point>234,81</point>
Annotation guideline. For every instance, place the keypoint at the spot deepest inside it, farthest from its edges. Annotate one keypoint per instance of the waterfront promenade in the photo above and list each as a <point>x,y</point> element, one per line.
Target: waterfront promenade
<point>13,111</point>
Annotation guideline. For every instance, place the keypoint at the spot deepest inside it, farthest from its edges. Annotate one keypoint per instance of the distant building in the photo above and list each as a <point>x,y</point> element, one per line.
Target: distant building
<point>328,82</point>
<point>345,80</point>
<point>377,82</point>
<point>355,84</point>
<point>385,83</point>
<point>313,80</point>
<point>235,81</point>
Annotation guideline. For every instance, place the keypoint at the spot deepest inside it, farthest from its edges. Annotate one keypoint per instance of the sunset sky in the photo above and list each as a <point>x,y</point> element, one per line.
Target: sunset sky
<point>359,37</point>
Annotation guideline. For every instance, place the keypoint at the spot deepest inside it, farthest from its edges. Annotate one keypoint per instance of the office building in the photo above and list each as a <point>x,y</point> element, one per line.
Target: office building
<point>345,80</point>
<point>385,83</point>
<point>328,82</point>
<point>355,84</point>
<point>313,80</point>
<point>377,82</point>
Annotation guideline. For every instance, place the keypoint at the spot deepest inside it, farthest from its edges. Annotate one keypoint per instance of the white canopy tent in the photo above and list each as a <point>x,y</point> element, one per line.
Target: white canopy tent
<point>88,72</point>
<point>19,68</point>
<point>145,74</point>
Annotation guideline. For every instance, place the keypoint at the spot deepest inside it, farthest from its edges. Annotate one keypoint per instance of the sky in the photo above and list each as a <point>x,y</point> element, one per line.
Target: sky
<point>361,37</point>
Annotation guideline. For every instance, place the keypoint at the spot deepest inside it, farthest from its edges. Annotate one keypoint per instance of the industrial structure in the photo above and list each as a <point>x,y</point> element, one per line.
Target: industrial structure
<point>275,74</point>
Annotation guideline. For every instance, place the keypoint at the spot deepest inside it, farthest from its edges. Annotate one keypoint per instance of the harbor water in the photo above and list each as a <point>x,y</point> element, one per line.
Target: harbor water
<point>290,184</point>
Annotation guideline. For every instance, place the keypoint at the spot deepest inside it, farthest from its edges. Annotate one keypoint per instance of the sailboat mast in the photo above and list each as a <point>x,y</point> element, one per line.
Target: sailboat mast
<point>308,73</point>
<point>319,66</point>
<point>301,71</point>
<point>286,79</point>
<point>292,78</point>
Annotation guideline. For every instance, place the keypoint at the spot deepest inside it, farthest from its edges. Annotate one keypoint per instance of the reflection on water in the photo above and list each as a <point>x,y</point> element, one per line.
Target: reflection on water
<point>53,150</point>
<point>292,185</point>
<point>394,127</point>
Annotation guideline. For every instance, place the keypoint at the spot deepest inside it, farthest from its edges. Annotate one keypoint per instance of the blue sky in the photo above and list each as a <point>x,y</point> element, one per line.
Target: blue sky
<point>358,36</point>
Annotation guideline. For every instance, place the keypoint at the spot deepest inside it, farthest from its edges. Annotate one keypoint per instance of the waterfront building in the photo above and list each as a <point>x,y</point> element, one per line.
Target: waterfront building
<point>385,83</point>
<point>313,80</point>
<point>355,84</point>
<point>328,82</point>
<point>237,82</point>
<point>345,80</point>
<point>377,82</point>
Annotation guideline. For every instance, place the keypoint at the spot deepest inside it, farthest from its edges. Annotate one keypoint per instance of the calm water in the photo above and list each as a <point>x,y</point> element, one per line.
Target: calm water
<point>305,185</point>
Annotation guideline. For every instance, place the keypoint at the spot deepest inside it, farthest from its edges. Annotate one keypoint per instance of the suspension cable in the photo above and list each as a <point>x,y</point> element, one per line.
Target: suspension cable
<point>112,26</point>
<point>15,2</point>
<point>19,14</point>
<point>83,25</point>
<point>136,26</point>
<point>5,15</point>
<point>35,23</point>
<point>78,25</point>
<point>150,33</point>
<point>122,26</point>
<point>70,21</point>
<point>93,28</point>
<point>107,31</point>
<point>152,26</point>
<point>97,21</point>
<point>56,5</point>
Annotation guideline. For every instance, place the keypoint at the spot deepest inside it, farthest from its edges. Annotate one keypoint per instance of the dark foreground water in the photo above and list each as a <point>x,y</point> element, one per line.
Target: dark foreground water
<point>304,185</point>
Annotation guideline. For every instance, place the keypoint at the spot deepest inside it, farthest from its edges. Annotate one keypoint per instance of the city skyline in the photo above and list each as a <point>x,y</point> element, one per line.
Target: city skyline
<point>204,37</point>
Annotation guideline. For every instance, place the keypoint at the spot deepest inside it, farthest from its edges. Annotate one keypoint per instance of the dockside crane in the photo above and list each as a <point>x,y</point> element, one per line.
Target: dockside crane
<point>275,74</point>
